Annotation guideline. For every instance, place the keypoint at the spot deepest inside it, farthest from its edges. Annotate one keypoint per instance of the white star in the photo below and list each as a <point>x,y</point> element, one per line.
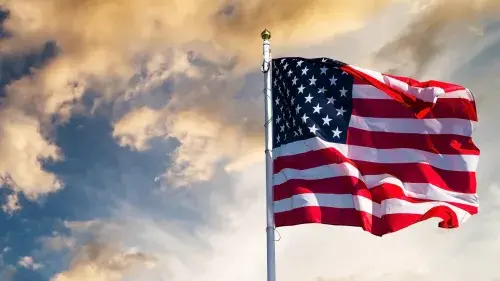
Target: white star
<point>297,109</point>
<point>304,118</point>
<point>293,122</point>
<point>313,81</point>
<point>344,73</point>
<point>301,89</point>
<point>341,111</point>
<point>333,81</point>
<point>313,129</point>
<point>278,139</point>
<point>282,128</point>
<point>289,73</point>
<point>308,98</point>
<point>321,90</point>
<point>300,130</point>
<point>323,70</point>
<point>287,92</point>
<point>336,132</point>
<point>278,120</point>
<point>295,134</point>
<point>299,63</point>
<point>294,80</point>
<point>304,70</point>
<point>330,100</point>
<point>292,100</point>
<point>343,92</point>
<point>277,101</point>
<point>287,125</point>
<point>323,60</point>
<point>317,109</point>
<point>275,82</point>
<point>326,120</point>
<point>285,66</point>
<point>282,61</point>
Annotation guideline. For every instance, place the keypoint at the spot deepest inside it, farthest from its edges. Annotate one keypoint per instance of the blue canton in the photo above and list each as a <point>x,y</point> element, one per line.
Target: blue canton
<point>311,98</point>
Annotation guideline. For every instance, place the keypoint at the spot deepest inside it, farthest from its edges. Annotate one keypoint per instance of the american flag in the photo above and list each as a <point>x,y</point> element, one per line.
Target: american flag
<point>355,147</point>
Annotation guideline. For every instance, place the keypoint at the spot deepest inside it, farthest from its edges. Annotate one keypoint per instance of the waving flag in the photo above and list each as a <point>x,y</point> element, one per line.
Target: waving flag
<point>355,147</point>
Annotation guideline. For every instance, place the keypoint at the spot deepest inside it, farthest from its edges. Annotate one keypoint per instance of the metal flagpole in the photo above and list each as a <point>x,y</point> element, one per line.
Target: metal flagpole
<point>268,102</point>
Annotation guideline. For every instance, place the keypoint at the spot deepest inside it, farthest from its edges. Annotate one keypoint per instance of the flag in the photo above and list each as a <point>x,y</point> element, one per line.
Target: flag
<point>355,147</point>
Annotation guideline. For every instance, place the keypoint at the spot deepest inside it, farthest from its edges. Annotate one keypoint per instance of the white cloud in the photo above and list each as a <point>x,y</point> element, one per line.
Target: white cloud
<point>58,242</point>
<point>137,128</point>
<point>29,263</point>
<point>100,44</point>
<point>100,262</point>
<point>11,204</point>
<point>23,150</point>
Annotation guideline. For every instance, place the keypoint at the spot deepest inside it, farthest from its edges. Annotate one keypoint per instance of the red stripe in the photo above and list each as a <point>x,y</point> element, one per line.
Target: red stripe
<point>444,108</point>
<point>439,144</point>
<point>351,217</point>
<point>457,181</point>
<point>353,186</point>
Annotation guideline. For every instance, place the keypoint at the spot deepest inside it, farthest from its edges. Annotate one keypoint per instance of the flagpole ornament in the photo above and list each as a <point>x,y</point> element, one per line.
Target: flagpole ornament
<point>266,50</point>
<point>266,34</point>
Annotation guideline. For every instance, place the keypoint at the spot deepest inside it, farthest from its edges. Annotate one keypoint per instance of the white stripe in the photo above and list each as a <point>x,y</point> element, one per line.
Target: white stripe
<point>342,201</point>
<point>360,203</point>
<point>428,94</point>
<point>395,155</point>
<point>365,91</point>
<point>319,172</point>
<point>459,94</point>
<point>368,92</point>
<point>413,190</point>
<point>453,126</point>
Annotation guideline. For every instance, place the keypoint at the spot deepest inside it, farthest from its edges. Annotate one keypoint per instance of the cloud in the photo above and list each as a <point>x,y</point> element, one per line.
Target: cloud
<point>101,262</point>
<point>137,127</point>
<point>23,148</point>
<point>29,263</point>
<point>103,28</point>
<point>98,256</point>
<point>58,242</point>
<point>11,204</point>
<point>100,46</point>
<point>170,248</point>
<point>203,113</point>
<point>434,31</point>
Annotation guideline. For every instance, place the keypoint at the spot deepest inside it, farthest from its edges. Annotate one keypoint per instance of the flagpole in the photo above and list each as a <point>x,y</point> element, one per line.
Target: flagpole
<point>268,103</point>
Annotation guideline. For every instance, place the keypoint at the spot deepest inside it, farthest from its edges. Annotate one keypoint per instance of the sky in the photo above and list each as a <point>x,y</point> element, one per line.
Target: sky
<point>131,137</point>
